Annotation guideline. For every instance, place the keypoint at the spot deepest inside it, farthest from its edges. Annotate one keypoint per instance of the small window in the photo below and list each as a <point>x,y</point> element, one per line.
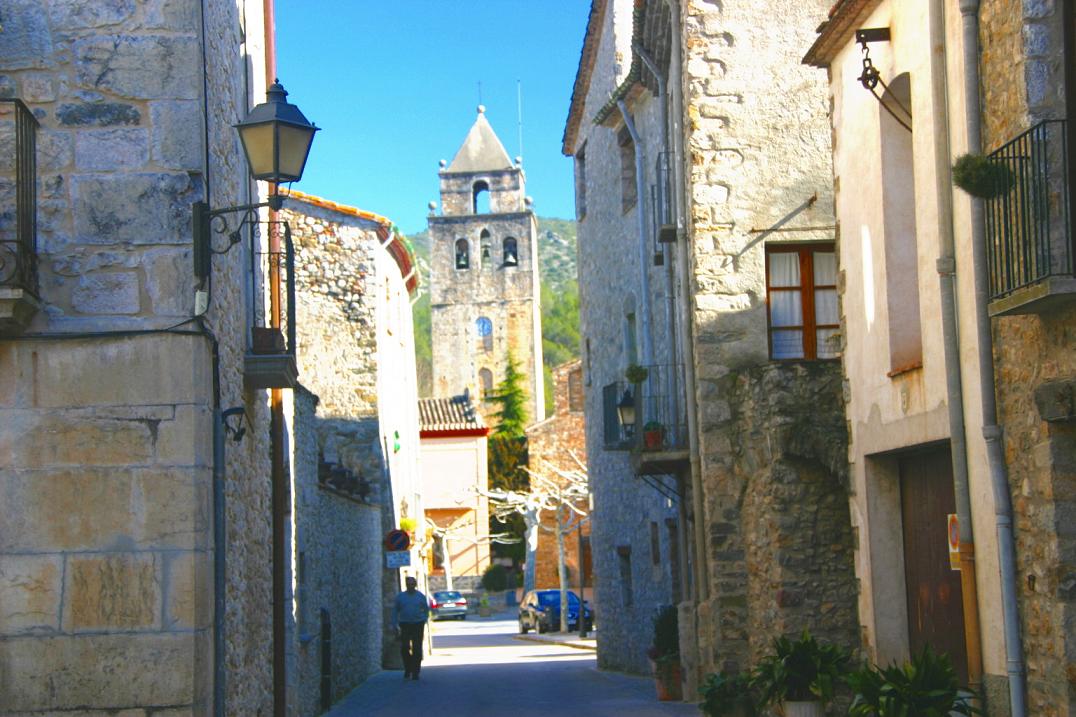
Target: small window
<point>480,197</point>
<point>463,254</point>
<point>511,253</point>
<point>627,169</point>
<point>631,353</point>
<point>627,593</point>
<point>575,391</point>
<point>484,328</point>
<point>801,293</point>
<point>484,241</point>
<point>485,379</point>
<point>655,543</point>
<point>580,185</point>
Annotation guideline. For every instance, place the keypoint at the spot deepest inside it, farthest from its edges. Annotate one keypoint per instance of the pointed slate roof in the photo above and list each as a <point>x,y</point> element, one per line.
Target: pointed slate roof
<point>481,151</point>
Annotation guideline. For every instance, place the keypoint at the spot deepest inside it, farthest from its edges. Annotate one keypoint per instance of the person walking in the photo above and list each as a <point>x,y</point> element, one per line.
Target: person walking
<point>410,612</point>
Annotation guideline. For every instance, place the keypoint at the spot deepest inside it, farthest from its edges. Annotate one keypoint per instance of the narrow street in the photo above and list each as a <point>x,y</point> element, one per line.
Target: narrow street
<point>482,667</point>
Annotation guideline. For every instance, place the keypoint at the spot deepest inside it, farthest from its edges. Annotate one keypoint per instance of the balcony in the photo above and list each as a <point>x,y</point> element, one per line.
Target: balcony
<point>1028,225</point>
<point>658,437</point>
<point>18,217</point>
<point>270,358</point>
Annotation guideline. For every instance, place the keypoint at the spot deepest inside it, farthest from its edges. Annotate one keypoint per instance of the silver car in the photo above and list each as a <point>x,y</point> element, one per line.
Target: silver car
<point>448,604</point>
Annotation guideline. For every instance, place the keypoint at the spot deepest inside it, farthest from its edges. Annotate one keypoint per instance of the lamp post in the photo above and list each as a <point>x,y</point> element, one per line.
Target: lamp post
<point>625,412</point>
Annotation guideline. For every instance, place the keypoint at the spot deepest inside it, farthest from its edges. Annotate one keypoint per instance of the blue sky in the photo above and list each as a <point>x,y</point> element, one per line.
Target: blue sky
<point>394,85</point>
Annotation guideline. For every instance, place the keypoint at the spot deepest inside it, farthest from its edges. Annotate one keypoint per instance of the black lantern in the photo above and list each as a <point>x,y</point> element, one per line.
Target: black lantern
<point>276,138</point>
<point>625,412</point>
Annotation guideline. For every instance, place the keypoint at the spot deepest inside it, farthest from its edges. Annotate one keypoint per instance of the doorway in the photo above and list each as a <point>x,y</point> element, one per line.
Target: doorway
<point>935,603</point>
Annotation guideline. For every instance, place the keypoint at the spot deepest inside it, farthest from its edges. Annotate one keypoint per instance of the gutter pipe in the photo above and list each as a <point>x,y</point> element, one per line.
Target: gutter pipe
<point>946,267</point>
<point>999,480</point>
<point>640,207</point>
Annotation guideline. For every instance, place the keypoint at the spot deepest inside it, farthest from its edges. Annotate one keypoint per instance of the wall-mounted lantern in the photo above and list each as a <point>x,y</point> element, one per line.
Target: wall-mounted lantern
<point>625,413</point>
<point>276,140</point>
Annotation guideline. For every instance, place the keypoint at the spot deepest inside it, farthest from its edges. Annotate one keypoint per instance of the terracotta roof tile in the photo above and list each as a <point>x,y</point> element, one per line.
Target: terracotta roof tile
<point>448,415</point>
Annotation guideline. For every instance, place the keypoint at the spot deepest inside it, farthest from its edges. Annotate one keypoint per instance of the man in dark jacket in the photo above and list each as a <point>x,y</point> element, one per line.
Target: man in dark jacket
<point>409,615</point>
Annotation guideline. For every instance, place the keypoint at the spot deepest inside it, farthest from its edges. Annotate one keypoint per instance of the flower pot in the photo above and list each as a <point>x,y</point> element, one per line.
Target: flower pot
<point>802,709</point>
<point>653,440</point>
<point>667,680</point>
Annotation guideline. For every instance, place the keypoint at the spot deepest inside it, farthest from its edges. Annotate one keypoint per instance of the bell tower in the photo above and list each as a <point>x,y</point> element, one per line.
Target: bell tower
<point>484,289</point>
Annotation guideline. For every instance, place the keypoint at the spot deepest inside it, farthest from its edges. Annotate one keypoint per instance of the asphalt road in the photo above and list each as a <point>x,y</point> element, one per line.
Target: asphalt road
<point>479,668</point>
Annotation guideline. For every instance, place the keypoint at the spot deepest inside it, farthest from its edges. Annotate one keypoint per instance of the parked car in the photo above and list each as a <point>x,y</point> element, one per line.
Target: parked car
<point>448,604</point>
<point>540,610</point>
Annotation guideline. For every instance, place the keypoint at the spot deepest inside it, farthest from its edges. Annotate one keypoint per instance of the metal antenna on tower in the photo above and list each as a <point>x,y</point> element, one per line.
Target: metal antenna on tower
<point>519,113</point>
<point>480,92</point>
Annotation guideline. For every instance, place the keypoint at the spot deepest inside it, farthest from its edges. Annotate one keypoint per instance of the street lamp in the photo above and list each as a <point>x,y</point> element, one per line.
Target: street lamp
<point>625,412</point>
<point>276,138</point>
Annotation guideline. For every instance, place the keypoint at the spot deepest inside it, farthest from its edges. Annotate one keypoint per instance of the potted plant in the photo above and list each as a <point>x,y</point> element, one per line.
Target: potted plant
<point>727,695</point>
<point>653,435</point>
<point>801,675</point>
<point>665,654</point>
<point>636,373</point>
<point>483,606</point>
<point>927,686</point>
<point>982,177</point>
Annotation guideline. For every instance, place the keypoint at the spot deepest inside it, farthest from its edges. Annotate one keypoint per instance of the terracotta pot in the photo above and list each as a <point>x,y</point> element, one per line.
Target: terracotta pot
<point>802,709</point>
<point>668,683</point>
<point>653,440</point>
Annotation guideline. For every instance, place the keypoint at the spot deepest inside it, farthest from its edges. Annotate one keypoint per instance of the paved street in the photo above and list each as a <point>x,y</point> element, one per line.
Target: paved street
<point>480,667</point>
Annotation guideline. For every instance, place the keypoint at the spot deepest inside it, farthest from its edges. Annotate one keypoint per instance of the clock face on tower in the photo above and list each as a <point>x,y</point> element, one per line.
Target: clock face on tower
<point>484,326</point>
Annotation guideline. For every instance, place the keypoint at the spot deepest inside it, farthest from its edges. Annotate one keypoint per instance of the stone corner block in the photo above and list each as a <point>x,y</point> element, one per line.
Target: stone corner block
<point>30,590</point>
<point>118,591</point>
<point>1056,400</point>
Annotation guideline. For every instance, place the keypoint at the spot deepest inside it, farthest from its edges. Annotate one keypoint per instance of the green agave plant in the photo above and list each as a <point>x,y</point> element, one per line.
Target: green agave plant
<point>925,687</point>
<point>800,670</point>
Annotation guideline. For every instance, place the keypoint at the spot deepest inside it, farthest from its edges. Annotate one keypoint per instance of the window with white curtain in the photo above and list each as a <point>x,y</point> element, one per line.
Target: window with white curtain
<point>801,291</point>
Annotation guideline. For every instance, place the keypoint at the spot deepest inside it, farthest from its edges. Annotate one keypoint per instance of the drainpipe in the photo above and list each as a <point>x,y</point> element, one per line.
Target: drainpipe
<point>701,580</point>
<point>999,480</point>
<point>640,212</point>
<point>220,539</point>
<point>946,266</point>
<point>278,474</point>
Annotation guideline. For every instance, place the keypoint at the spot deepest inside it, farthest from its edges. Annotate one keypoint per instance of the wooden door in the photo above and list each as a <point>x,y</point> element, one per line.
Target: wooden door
<point>935,606</point>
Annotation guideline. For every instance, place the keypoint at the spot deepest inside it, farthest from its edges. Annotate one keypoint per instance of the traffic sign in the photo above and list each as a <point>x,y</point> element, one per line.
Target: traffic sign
<point>953,526</point>
<point>398,559</point>
<point>397,540</point>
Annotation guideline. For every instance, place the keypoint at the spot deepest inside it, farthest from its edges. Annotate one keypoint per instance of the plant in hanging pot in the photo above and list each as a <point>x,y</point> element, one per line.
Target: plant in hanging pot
<point>801,675</point>
<point>982,177</point>
<point>665,654</point>
<point>636,373</point>
<point>927,686</point>
<point>727,695</point>
<point>653,435</point>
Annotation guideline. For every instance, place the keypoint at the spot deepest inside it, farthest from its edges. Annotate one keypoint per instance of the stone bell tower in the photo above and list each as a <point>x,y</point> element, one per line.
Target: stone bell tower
<point>484,288</point>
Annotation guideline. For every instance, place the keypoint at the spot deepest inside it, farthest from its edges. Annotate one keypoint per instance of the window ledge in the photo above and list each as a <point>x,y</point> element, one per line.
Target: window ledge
<point>909,368</point>
<point>17,307</point>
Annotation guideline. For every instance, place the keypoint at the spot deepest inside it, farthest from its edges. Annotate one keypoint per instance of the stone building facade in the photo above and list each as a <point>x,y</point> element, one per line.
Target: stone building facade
<point>356,453</point>
<point>109,389</point>
<point>702,176</point>
<point>555,444</point>
<point>484,286</point>
<point>988,407</point>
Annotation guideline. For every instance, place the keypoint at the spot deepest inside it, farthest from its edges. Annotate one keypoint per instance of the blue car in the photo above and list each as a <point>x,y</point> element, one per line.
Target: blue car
<point>540,611</point>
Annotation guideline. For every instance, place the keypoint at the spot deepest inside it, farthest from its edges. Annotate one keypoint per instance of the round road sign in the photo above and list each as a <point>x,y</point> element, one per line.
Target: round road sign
<point>397,540</point>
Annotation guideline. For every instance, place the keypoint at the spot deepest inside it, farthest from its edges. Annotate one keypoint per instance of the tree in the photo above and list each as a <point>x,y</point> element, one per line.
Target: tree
<point>511,396</point>
<point>563,491</point>
<point>442,536</point>
<point>507,455</point>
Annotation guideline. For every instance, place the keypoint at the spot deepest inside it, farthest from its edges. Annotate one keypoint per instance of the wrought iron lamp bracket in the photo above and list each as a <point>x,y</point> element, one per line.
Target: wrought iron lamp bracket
<point>207,222</point>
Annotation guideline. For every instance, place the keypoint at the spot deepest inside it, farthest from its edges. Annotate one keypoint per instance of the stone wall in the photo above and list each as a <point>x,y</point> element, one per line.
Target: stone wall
<point>780,555</point>
<point>122,154</point>
<point>336,544</point>
<point>553,443</point>
<point>1022,84</point>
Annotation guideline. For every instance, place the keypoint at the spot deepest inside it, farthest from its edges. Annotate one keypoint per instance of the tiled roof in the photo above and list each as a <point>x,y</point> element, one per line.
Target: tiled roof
<point>582,78</point>
<point>837,30</point>
<point>444,415</point>
<point>400,249</point>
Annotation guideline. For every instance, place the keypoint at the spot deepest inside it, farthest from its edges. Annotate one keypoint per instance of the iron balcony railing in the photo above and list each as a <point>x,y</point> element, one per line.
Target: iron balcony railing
<point>1028,228</point>
<point>659,407</point>
<point>18,198</point>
